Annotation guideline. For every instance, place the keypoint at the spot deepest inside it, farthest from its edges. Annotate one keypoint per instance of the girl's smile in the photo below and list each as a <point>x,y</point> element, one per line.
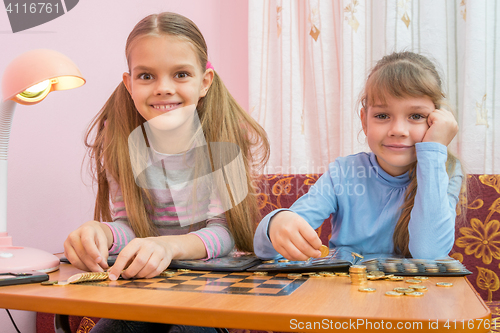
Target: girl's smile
<point>392,129</point>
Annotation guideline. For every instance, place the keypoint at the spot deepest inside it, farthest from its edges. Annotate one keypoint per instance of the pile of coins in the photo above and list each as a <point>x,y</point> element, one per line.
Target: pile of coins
<point>414,287</point>
<point>358,274</point>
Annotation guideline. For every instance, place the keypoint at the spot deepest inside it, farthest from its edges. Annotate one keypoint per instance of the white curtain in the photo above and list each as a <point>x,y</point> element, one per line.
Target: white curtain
<point>309,60</point>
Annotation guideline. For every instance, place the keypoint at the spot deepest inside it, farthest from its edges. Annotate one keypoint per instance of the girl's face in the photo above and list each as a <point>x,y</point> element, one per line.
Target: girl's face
<point>393,128</point>
<point>166,80</point>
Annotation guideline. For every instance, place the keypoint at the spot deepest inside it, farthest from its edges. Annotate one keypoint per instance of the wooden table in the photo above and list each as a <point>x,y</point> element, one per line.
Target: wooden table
<point>317,305</point>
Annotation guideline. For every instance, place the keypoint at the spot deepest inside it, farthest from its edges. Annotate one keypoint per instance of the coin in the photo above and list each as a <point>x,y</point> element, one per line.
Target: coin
<point>418,287</point>
<point>260,273</point>
<point>444,284</point>
<point>393,293</point>
<point>283,260</point>
<point>341,274</point>
<point>184,270</point>
<point>413,281</point>
<point>421,277</point>
<point>314,275</point>
<point>397,278</point>
<point>324,250</point>
<point>367,290</point>
<point>268,262</point>
<point>49,283</point>
<point>167,273</point>
<point>327,274</point>
<point>294,276</point>
<point>415,294</point>
<point>404,290</point>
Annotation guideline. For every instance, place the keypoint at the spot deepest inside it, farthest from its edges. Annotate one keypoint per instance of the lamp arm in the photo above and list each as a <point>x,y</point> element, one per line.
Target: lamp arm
<point>6,114</point>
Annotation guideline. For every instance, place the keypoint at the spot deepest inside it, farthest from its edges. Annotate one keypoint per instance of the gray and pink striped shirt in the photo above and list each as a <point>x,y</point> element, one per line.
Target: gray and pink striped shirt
<point>172,208</point>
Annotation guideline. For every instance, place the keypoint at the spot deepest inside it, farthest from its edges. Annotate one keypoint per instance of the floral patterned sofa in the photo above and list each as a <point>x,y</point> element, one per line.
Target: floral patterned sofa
<point>477,238</point>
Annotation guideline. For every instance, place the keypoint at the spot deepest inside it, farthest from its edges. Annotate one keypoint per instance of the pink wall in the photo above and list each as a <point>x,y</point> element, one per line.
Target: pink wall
<point>49,189</point>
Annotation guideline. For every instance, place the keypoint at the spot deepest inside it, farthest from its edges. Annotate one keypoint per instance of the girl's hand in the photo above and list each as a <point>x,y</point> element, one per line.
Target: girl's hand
<point>442,127</point>
<point>87,247</point>
<point>293,237</point>
<point>142,258</point>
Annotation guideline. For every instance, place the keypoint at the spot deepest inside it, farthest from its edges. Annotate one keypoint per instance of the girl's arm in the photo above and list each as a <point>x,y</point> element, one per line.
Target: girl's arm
<point>432,222</point>
<point>87,247</point>
<point>290,233</point>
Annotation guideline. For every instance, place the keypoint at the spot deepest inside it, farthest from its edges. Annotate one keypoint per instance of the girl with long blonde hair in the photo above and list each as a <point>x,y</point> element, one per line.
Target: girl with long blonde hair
<point>398,199</point>
<point>154,146</point>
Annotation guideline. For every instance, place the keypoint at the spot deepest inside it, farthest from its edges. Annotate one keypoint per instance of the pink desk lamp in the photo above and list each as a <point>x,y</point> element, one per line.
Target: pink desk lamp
<point>28,80</point>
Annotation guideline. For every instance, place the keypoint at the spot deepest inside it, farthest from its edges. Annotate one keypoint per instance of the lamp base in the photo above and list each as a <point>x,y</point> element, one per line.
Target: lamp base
<point>24,259</point>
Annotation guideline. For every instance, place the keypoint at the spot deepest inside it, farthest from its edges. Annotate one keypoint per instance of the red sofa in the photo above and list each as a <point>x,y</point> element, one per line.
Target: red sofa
<point>477,237</point>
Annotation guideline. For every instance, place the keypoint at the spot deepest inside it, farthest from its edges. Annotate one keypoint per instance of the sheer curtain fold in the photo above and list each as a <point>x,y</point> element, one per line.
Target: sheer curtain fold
<point>309,60</point>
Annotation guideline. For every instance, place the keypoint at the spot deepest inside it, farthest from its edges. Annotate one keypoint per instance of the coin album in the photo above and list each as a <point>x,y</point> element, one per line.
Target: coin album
<point>338,260</point>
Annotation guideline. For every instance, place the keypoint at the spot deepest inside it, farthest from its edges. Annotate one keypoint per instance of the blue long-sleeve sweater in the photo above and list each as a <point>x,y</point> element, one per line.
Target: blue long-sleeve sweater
<point>365,202</point>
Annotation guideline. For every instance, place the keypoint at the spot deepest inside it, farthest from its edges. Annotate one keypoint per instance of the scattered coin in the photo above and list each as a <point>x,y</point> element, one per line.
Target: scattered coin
<point>293,276</point>
<point>327,274</point>
<point>367,290</point>
<point>404,290</point>
<point>268,262</point>
<point>184,270</point>
<point>421,277</point>
<point>415,294</point>
<point>444,284</point>
<point>418,287</point>
<point>314,275</point>
<point>260,273</point>
<point>341,274</point>
<point>397,278</point>
<point>49,283</point>
<point>413,281</point>
<point>393,293</point>
<point>167,273</point>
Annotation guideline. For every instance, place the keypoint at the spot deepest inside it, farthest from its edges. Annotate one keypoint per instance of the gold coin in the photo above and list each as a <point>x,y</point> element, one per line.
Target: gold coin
<point>324,251</point>
<point>167,273</point>
<point>314,275</point>
<point>397,278</point>
<point>444,284</point>
<point>49,283</point>
<point>393,293</point>
<point>283,260</point>
<point>260,273</point>
<point>367,290</point>
<point>389,276</point>
<point>268,262</point>
<point>418,287</point>
<point>404,290</point>
<point>185,270</point>
<point>293,276</point>
<point>415,294</point>
<point>327,274</point>
<point>413,281</point>
<point>341,274</point>
<point>421,277</point>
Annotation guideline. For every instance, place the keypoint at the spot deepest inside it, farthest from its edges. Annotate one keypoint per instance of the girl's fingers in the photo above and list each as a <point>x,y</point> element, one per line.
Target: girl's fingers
<point>77,241</point>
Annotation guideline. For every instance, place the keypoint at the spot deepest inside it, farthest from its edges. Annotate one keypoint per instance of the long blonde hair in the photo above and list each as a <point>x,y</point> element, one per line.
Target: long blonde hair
<point>399,75</point>
<point>222,120</point>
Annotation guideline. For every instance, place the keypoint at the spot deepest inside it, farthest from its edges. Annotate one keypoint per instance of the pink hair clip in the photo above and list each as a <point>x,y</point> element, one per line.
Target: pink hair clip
<point>209,65</point>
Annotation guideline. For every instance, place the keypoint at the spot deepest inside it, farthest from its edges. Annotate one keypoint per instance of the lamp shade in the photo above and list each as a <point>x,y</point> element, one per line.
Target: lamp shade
<point>34,67</point>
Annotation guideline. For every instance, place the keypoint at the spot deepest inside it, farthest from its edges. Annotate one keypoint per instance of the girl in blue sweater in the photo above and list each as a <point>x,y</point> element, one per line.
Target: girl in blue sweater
<point>398,199</point>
